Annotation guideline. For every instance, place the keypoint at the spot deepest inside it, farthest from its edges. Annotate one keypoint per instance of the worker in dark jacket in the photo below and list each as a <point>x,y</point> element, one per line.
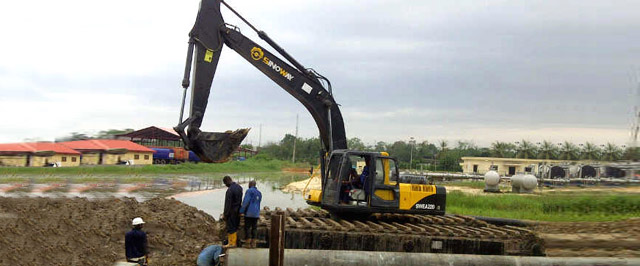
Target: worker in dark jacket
<point>135,243</point>
<point>251,210</point>
<point>231,215</point>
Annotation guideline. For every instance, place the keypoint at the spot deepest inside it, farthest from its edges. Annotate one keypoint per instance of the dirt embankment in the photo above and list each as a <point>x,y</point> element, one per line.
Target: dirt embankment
<point>591,239</point>
<point>45,231</point>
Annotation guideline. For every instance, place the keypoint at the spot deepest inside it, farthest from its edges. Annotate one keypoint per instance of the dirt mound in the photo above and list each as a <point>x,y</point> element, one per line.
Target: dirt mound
<point>591,239</point>
<point>78,231</point>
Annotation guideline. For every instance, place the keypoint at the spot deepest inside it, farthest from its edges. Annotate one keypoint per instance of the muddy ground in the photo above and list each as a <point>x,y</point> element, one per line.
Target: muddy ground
<point>591,239</point>
<point>77,231</point>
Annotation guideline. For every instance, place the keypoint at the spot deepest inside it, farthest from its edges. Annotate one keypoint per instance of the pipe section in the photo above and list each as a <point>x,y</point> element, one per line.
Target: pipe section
<point>249,257</point>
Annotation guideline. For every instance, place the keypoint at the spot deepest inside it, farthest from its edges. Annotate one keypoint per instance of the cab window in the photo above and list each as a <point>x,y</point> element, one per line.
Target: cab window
<point>393,171</point>
<point>379,178</point>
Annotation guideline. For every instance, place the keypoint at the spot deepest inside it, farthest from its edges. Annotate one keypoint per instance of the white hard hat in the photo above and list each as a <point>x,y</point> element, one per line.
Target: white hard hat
<point>137,221</point>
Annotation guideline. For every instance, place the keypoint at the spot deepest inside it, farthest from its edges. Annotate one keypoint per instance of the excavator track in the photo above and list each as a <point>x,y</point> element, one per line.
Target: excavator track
<point>453,234</point>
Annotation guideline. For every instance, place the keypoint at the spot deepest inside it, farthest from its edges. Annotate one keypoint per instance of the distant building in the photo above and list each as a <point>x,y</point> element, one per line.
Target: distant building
<point>506,166</point>
<point>167,138</point>
<point>154,137</point>
<point>110,151</point>
<point>38,154</point>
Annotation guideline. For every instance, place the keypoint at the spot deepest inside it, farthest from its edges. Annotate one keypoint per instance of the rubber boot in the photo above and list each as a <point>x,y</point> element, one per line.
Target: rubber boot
<point>232,240</point>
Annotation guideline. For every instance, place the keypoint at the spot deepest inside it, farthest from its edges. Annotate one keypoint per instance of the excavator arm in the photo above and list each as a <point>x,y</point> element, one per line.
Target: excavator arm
<point>208,37</point>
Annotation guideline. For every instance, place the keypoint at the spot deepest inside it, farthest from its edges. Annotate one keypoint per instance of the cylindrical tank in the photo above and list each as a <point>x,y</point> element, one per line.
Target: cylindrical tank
<point>492,178</point>
<point>162,155</point>
<point>588,171</point>
<point>516,183</point>
<point>615,172</point>
<point>516,180</point>
<point>557,172</point>
<point>193,157</point>
<point>491,181</point>
<point>528,182</point>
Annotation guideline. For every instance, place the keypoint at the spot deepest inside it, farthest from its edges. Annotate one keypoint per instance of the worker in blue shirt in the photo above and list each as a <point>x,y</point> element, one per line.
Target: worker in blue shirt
<point>251,210</point>
<point>211,256</point>
<point>135,243</point>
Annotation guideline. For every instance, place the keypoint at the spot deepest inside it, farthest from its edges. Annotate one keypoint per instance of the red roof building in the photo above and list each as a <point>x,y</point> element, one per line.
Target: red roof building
<point>105,145</point>
<point>38,154</point>
<point>111,151</point>
<point>36,147</point>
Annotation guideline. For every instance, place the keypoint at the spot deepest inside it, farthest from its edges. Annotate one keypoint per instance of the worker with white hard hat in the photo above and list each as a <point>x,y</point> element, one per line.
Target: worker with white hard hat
<point>135,243</point>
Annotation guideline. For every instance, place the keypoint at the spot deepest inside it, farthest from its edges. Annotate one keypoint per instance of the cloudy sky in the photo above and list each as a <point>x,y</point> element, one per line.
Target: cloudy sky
<point>432,70</point>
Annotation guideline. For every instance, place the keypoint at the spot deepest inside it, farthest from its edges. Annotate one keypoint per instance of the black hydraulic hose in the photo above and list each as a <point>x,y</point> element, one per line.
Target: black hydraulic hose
<point>187,67</point>
<point>237,14</point>
<point>185,79</point>
<point>263,35</point>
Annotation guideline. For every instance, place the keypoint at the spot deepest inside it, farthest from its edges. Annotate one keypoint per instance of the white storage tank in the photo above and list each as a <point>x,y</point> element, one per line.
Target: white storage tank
<point>516,182</point>
<point>528,183</point>
<point>491,181</point>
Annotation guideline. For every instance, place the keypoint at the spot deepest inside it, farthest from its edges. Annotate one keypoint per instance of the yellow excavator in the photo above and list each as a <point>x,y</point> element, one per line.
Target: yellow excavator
<point>346,190</point>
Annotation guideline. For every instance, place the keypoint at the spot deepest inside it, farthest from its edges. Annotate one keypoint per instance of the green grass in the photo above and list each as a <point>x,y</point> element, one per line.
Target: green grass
<point>548,207</point>
<point>185,168</point>
<point>471,184</point>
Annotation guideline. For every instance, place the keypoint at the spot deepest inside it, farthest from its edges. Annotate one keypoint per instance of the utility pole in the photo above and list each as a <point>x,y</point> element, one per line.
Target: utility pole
<point>293,157</point>
<point>411,142</point>
<point>259,137</point>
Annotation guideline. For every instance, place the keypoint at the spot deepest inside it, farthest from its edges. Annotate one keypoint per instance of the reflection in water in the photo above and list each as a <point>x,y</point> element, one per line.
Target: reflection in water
<point>212,202</point>
<point>144,187</point>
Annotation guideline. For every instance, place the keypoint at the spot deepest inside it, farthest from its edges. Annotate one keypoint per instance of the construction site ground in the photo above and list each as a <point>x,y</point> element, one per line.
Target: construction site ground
<point>591,239</point>
<point>79,231</point>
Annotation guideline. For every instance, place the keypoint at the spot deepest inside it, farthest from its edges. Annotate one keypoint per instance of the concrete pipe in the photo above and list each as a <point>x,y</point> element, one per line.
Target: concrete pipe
<point>250,257</point>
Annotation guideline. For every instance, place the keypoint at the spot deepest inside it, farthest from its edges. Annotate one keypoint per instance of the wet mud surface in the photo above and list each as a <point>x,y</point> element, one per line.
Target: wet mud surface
<point>78,231</point>
<point>591,239</point>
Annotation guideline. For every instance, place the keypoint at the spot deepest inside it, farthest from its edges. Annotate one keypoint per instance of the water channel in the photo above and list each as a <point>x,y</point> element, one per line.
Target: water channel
<point>203,191</point>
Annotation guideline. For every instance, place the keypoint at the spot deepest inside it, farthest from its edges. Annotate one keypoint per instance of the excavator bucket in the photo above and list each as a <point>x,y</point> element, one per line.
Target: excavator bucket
<point>216,147</point>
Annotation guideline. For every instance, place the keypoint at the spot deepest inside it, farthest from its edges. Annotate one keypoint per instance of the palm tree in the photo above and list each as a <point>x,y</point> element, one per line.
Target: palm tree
<point>547,150</point>
<point>632,153</point>
<point>526,150</point>
<point>611,152</point>
<point>500,149</point>
<point>569,151</point>
<point>590,151</point>
<point>443,146</point>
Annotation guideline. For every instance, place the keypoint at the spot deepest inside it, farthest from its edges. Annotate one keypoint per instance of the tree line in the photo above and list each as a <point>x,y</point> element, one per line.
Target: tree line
<point>437,156</point>
<point>445,156</point>
<point>103,134</point>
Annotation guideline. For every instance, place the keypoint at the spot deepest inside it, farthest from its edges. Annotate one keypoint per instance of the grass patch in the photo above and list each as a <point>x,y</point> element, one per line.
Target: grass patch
<point>554,207</point>
<point>471,184</point>
<point>185,168</point>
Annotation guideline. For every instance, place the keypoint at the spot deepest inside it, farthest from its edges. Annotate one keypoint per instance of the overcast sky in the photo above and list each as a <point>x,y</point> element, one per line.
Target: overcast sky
<point>432,70</point>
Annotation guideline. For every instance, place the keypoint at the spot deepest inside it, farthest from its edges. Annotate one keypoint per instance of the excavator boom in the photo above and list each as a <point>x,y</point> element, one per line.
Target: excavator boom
<point>209,35</point>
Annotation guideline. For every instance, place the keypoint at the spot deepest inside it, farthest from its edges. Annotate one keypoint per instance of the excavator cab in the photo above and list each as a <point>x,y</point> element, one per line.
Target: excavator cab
<point>361,183</point>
